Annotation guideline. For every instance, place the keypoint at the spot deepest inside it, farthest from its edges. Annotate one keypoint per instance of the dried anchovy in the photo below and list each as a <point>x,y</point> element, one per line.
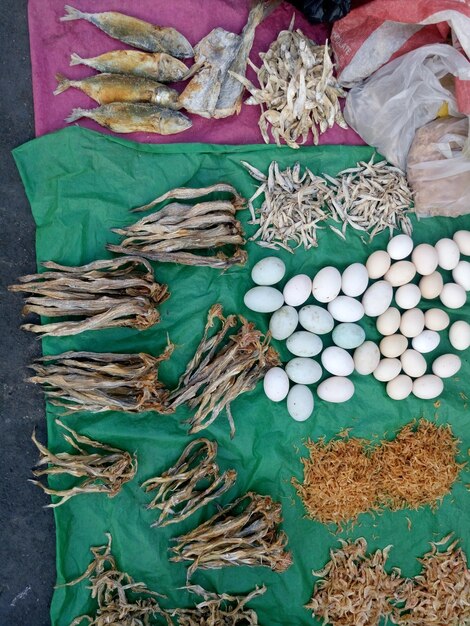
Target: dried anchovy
<point>103,469</point>
<point>107,294</point>
<point>249,537</point>
<point>297,90</point>
<point>217,374</point>
<point>219,610</point>
<point>180,493</point>
<point>176,232</point>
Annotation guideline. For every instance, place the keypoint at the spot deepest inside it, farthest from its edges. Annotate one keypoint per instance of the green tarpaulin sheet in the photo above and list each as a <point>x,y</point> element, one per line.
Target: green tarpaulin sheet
<point>81,184</point>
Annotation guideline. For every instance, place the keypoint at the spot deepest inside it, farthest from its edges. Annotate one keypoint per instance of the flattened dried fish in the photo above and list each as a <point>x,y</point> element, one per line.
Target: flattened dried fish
<point>135,32</point>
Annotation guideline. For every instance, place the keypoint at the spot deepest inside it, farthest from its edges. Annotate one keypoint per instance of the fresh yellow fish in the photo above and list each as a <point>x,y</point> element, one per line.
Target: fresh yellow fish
<point>157,65</point>
<point>125,117</point>
<point>135,32</point>
<point>106,88</point>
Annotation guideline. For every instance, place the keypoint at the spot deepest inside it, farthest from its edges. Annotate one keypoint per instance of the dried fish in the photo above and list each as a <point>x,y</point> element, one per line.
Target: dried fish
<point>97,382</point>
<point>103,294</point>
<point>191,483</point>
<point>177,232</point>
<point>237,536</point>
<point>103,469</point>
<point>221,370</point>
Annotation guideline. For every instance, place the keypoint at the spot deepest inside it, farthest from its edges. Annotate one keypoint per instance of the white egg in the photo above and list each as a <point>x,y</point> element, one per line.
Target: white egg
<point>427,387</point>
<point>263,299</point>
<point>462,239</point>
<point>336,389</point>
<point>348,336</point>
<point>407,296</point>
<point>276,384</point>
<point>297,290</point>
<point>354,280</point>
<point>448,253</point>
<point>377,298</point>
<point>461,274</point>
<point>393,345</point>
<point>431,285</point>
<point>400,273</point>
<point>436,319</point>
<point>378,263</point>
<point>303,343</point>
<point>400,387</point>
<point>400,246</point>
<point>453,296</point>
<point>366,358</point>
<point>446,365</point>
<point>326,284</point>
<point>337,361</point>
<point>413,363</point>
<point>427,341</point>
<point>268,271</point>
<point>387,369</point>
<point>425,259</point>
<point>346,309</point>
<point>300,403</point>
<point>303,371</point>
<point>315,319</point>
<point>283,322</point>
<point>389,322</point>
<point>459,335</point>
<point>412,323</point>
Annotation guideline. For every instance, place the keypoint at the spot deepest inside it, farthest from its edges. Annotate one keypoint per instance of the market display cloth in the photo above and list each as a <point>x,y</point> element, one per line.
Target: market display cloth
<point>80,185</point>
<point>52,42</point>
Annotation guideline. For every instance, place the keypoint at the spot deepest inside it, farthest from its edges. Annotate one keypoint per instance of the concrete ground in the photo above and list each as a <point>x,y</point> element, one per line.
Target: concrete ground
<point>27,554</point>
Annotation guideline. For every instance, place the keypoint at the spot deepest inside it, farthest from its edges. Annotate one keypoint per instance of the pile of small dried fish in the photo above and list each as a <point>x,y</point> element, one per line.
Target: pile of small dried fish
<point>219,372</point>
<point>297,91</point>
<point>176,233</point>
<point>233,537</point>
<point>103,469</point>
<point>107,294</point>
<point>97,382</point>
<point>192,482</point>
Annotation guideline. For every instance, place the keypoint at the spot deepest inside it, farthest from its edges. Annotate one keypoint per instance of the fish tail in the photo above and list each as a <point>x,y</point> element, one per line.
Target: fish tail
<point>72,14</point>
<point>75,59</point>
<point>76,115</point>
<point>63,84</point>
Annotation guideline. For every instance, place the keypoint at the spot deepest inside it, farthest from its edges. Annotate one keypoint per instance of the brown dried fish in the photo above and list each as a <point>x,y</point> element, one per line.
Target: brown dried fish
<point>103,469</point>
<point>237,537</point>
<point>103,294</point>
<point>221,370</point>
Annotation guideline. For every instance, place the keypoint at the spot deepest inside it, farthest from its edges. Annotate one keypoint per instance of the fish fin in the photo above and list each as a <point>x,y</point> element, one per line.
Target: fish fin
<point>75,59</point>
<point>63,84</point>
<point>72,14</point>
<point>76,115</point>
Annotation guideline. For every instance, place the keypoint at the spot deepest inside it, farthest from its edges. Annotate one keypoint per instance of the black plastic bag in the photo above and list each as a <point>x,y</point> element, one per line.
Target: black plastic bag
<point>323,10</point>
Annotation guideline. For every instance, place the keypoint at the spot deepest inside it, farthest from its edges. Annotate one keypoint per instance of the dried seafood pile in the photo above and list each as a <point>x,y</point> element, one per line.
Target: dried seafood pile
<point>297,90</point>
<point>221,370</point>
<point>179,232</point>
<point>103,294</point>
<point>191,483</point>
<point>103,469</point>
<point>237,537</point>
<point>96,382</point>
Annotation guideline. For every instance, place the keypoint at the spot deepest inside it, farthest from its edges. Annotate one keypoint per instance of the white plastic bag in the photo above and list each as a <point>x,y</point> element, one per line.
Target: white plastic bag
<point>403,95</point>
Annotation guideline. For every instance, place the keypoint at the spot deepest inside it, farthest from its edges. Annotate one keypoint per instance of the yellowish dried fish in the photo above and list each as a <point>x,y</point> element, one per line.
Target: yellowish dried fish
<point>135,32</point>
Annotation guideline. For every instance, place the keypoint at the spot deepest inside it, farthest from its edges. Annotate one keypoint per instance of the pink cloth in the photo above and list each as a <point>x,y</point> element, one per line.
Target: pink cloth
<point>52,42</point>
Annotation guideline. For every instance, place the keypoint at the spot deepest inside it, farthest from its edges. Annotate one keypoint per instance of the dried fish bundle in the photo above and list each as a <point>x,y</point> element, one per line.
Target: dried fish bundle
<point>178,232</point>
<point>97,382</point>
<point>191,483</point>
<point>237,536</point>
<point>103,469</point>
<point>297,90</point>
<point>103,294</point>
<point>219,372</point>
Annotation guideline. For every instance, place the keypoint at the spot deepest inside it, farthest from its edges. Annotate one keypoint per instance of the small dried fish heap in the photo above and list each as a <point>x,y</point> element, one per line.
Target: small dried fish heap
<point>218,373</point>
<point>233,537</point>
<point>96,382</point>
<point>178,232</point>
<point>103,294</point>
<point>103,469</point>
<point>297,90</point>
<point>190,484</point>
